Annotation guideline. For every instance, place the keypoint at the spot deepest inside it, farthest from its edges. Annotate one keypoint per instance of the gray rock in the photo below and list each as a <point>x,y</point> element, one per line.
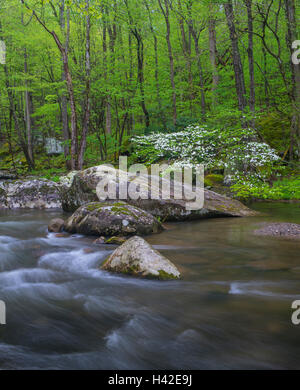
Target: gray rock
<point>31,194</point>
<point>56,225</point>
<point>6,175</point>
<point>112,219</point>
<point>3,200</point>
<point>137,258</point>
<point>83,190</point>
<point>66,181</point>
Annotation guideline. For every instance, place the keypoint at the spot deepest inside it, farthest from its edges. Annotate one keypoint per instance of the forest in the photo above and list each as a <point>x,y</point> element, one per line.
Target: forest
<point>182,81</point>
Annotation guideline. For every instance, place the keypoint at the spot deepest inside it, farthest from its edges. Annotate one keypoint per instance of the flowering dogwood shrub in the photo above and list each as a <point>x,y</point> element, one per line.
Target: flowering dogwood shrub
<point>216,149</point>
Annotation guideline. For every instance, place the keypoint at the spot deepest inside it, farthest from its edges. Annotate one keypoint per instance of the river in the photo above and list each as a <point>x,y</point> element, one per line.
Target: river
<point>232,310</point>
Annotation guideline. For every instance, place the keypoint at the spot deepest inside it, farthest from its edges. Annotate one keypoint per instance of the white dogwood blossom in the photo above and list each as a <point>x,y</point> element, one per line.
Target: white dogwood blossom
<point>216,149</point>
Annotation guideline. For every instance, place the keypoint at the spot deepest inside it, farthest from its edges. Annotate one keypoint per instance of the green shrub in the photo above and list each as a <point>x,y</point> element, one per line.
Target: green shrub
<point>287,189</point>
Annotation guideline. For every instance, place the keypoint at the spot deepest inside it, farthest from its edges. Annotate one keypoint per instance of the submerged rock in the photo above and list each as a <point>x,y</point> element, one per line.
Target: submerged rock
<point>32,194</point>
<point>83,190</point>
<point>112,219</point>
<point>137,258</point>
<point>56,225</point>
<point>99,241</point>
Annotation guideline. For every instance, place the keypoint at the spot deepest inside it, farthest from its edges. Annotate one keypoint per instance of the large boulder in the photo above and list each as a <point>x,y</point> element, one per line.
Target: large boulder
<point>84,184</point>
<point>112,219</point>
<point>137,258</point>
<point>31,194</point>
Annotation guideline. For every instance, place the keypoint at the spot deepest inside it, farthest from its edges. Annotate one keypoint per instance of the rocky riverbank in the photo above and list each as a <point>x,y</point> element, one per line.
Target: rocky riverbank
<point>79,188</point>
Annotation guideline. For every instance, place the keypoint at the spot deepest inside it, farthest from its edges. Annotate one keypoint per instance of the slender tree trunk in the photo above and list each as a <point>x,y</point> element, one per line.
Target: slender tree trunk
<point>295,71</point>
<point>213,52</point>
<point>265,73</point>
<point>157,83</point>
<point>74,132</point>
<point>236,57</point>
<point>28,113</point>
<point>165,12</point>
<point>131,122</point>
<point>140,60</point>
<point>105,65</point>
<point>64,101</point>
<point>200,69</point>
<point>136,31</point>
<point>112,32</point>
<point>87,106</point>
<point>250,55</point>
<point>186,46</point>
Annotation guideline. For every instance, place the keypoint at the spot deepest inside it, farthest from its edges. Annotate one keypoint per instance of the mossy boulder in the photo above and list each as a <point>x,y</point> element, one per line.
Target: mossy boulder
<point>83,190</point>
<point>112,219</point>
<point>138,258</point>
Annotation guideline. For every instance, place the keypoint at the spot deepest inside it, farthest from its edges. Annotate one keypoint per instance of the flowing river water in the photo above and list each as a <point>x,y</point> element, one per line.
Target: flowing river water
<point>232,310</point>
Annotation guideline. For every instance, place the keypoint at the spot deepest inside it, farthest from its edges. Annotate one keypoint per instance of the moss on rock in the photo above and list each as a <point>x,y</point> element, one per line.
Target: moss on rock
<point>112,219</point>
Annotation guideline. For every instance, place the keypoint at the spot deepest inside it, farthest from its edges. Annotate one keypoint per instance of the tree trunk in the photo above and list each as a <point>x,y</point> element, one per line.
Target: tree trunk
<point>186,47</point>
<point>105,66</point>
<point>157,84</point>
<point>86,119</point>
<point>64,101</point>
<point>250,55</point>
<point>295,71</point>
<point>140,60</point>
<point>201,77</point>
<point>165,12</point>
<point>28,114</point>
<point>213,52</point>
<point>236,57</point>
